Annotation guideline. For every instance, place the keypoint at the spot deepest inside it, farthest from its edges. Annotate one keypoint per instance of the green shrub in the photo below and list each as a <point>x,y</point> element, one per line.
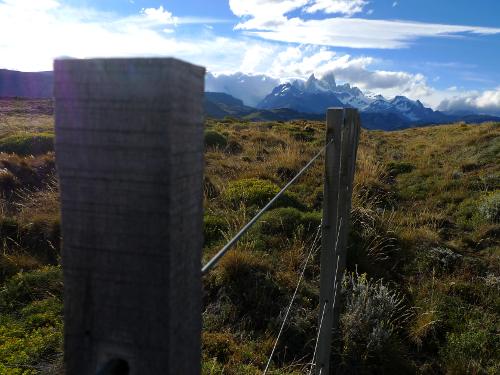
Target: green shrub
<point>24,288</point>
<point>234,148</point>
<point>28,144</point>
<point>474,351</point>
<point>213,228</point>
<point>247,280</point>
<point>215,139</point>
<point>218,345</point>
<point>209,188</point>
<point>256,192</point>
<point>397,168</point>
<point>473,213</point>
<point>30,337</point>
<point>489,207</point>
<point>8,183</point>
<point>437,259</point>
<point>284,223</point>
<point>41,238</point>
<point>369,324</point>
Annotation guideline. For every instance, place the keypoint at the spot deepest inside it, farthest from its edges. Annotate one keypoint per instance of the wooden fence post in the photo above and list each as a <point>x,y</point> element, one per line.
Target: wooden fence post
<point>343,127</point>
<point>129,153</point>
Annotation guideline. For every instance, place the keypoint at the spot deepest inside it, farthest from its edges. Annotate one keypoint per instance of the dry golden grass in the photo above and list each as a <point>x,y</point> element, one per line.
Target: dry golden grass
<point>398,218</point>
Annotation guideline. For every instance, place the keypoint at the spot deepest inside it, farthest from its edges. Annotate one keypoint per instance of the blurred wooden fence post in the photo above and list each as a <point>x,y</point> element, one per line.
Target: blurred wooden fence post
<point>129,152</point>
<point>343,127</point>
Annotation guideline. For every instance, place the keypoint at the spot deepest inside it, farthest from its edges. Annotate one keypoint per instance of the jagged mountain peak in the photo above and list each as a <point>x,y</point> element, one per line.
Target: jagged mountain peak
<point>315,95</point>
<point>329,78</point>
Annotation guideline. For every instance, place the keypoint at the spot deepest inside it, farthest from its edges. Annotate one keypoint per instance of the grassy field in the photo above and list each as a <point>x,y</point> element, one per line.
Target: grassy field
<point>421,294</point>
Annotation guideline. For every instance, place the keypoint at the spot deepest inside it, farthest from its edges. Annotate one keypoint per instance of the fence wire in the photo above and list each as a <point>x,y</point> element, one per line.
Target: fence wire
<point>217,257</point>
<point>314,248</point>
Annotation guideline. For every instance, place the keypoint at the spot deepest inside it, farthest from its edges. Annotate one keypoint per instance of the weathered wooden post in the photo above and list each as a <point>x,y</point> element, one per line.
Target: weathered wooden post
<point>343,129</point>
<point>129,152</point>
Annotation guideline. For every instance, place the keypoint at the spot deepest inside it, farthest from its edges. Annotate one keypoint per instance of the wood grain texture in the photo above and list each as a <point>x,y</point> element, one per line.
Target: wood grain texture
<point>129,153</point>
<point>343,125</point>
<point>334,121</point>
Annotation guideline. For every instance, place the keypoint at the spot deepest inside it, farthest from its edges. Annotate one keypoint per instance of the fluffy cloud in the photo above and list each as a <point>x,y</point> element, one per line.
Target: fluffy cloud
<point>37,31</point>
<point>280,64</point>
<point>268,19</point>
<point>299,62</point>
<point>160,15</point>
<point>347,7</point>
<point>270,14</point>
<point>360,33</point>
<point>483,102</point>
<point>249,88</point>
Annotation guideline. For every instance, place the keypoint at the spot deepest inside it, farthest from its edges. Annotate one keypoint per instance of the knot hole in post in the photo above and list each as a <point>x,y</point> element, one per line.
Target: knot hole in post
<point>115,366</point>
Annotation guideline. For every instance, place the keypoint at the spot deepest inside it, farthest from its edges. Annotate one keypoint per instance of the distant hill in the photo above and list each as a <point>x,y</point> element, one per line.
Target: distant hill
<point>296,100</point>
<point>218,105</point>
<point>26,85</point>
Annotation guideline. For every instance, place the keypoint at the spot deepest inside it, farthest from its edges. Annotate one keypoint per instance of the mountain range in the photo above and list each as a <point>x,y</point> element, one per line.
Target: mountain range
<point>291,100</point>
<point>27,85</point>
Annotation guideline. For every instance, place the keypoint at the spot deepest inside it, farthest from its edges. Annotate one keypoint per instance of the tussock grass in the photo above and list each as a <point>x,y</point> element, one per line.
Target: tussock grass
<point>424,241</point>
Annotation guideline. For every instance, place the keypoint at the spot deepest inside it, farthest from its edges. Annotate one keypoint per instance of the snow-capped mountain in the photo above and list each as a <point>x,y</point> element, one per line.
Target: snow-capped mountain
<point>316,95</point>
<point>298,97</point>
<point>347,95</point>
<point>412,110</point>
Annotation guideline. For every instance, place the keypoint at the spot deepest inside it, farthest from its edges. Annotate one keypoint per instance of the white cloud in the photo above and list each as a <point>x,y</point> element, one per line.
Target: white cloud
<point>268,14</point>
<point>347,7</point>
<point>268,19</point>
<point>28,5</point>
<point>34,32</point>
<point>395,4</point>
<point>251,88</point>
<point>254,56</point>
<point>159,15</point>
<point>483,102</point>
<point>360,33</point>
<point>301,61</point>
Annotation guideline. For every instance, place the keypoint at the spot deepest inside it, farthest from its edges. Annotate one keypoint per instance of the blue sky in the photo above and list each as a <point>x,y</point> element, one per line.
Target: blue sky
<point>443,52</point>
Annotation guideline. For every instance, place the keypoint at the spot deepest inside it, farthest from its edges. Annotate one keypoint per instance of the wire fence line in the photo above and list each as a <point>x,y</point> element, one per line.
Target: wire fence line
<point>220,254</point>
<point>334,286</point>
<point>317,338</point>
<point>313,250</point>
<point>217,257</point>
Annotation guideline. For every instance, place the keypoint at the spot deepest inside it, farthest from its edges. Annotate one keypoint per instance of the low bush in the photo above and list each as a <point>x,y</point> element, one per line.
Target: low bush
<point>209,189</point>
<point>489,207</point>
<point>256,192</point>
<point>397,168</point>
<point>218,345</point>
<point>27,144</point>
<point>474,212</point>
<point>369,324</point>
<point>247,280</point>
<point>282,224</point>
<point>10,264</point>
<point>473,351</point>
<point>214,139</point>
<point>31,339</point>
<point>234,148</point>
<point>41,238</point>
<point>8,183</point>
<point>213,228</point>
<point>24,288</point>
